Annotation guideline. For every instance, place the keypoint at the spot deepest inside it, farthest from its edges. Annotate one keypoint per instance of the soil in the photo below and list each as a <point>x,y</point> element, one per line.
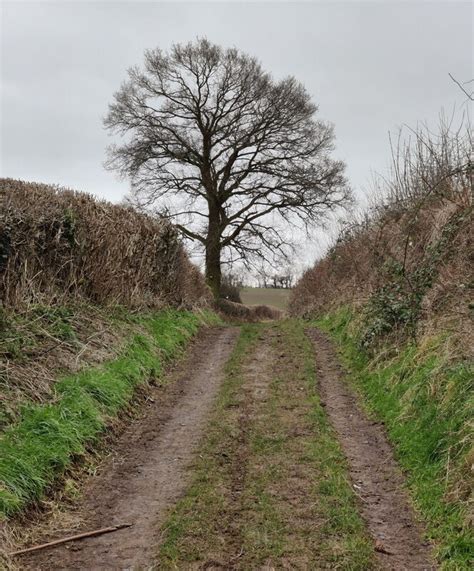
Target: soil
<point>148,470</point>
<point>375,474</point>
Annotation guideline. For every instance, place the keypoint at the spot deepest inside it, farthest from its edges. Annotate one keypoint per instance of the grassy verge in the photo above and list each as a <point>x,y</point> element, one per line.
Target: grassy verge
<point>36,449</point>
<point>427,404</point>
<point>270,485</point>
<point>26,337</point>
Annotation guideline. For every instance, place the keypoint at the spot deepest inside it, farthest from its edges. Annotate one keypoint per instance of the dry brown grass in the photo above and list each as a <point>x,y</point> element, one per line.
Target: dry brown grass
<point>243,313</point>
<point>37,347</point>
<point>57,243</point>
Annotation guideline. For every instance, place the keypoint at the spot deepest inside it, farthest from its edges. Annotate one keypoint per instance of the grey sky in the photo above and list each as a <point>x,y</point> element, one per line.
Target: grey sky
<point>371,66</point>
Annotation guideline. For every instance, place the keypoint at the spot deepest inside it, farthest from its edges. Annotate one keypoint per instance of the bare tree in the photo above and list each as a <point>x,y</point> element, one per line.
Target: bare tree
<point>224,150</point>
<point>282,281</point>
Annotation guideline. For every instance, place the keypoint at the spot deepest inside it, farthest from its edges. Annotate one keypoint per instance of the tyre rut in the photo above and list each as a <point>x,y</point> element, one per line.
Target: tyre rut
<point>375,475</point>
<point>148,469</point>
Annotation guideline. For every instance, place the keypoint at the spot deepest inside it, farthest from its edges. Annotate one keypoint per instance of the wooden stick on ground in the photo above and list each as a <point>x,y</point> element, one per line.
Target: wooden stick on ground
<point>73,538</point>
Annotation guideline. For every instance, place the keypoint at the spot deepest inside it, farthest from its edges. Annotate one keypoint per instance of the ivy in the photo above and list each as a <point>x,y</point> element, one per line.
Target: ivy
<point>397,304</point>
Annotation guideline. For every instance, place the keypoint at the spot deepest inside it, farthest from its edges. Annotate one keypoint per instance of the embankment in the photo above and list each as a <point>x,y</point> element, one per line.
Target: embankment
<point>395,292</point>
<point>95,299</point>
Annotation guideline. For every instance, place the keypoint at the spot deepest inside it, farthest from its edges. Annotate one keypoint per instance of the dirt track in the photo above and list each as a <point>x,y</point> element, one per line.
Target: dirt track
<point>374,472</point>
<point>147,471</point>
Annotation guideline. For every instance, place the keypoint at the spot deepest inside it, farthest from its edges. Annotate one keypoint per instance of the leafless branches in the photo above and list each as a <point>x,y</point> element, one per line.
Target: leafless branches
<point>207,131</point>
<point>461,87</point>
<point>419,225</point>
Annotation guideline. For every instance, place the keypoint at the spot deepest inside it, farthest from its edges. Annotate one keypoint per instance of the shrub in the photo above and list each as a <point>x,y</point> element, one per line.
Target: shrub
<point>407,261</point>
<point>230,292</point>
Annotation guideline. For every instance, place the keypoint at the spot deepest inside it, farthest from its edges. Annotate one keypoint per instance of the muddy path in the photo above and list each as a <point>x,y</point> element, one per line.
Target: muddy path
<point>270,490</point>
<point>243,422</point>
<point>148,469</point>
<point>253,394</point>
<point>375,475</point>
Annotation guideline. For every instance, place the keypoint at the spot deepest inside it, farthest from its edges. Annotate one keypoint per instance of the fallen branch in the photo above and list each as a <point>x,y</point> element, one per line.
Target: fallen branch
<point>73,538</point>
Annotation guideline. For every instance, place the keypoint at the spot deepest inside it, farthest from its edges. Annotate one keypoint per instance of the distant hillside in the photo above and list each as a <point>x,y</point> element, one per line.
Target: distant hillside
<point>274,297</point>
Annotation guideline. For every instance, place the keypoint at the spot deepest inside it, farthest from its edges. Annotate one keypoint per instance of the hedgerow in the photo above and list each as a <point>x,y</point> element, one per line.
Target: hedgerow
<point>56,244</point>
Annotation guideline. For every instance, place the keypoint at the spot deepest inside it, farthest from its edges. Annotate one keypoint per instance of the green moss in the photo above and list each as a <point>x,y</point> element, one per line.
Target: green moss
<point>427,405</point>
<point>37,449</point>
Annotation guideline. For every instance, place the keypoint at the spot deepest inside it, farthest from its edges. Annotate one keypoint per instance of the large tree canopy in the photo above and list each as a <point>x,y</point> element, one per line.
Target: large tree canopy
<point>223,149</point>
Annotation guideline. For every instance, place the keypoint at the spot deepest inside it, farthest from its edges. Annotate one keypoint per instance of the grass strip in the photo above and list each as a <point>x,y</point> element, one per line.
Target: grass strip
<point>46,439</point>
<point>427,405</point>
<point>336,531</point>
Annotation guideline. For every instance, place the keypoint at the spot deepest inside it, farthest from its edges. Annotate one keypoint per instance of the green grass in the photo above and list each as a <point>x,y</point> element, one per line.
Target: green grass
<point>265,296</point>
<point>29,337</point>
<point>241,501</point>
<point>47,438</point>
<point>427,404</point>
<point>21,333</point>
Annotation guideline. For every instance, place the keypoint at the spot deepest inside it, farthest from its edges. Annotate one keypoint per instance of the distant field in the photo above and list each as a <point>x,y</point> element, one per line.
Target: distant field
<point>265,296</point>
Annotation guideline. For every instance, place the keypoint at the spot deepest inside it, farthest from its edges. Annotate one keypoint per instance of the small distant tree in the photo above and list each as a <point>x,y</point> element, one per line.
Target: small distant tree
<point>282,281</point>
<point>224,150</point>
<point>262,274</point>
<point>231,285</point>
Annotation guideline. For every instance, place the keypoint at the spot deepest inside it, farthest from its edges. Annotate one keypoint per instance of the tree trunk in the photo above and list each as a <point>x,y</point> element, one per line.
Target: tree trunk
<point>213,268</point>
<point>213,254</point>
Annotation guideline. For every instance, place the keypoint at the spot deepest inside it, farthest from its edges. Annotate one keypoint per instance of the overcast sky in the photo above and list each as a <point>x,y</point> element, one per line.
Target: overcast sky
<point>370,66</point>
